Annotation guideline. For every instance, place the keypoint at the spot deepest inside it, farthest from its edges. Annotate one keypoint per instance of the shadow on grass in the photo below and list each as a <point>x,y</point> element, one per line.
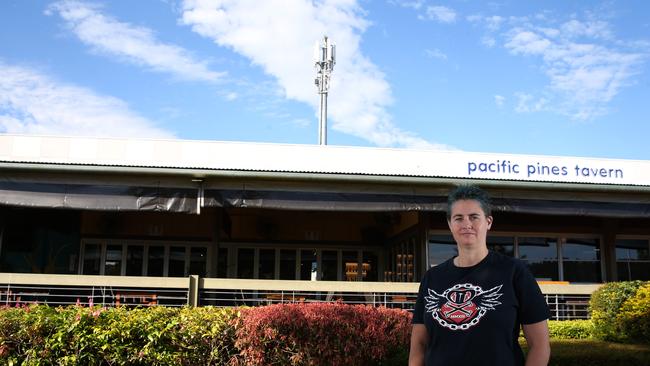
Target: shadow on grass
<point>587,352</point>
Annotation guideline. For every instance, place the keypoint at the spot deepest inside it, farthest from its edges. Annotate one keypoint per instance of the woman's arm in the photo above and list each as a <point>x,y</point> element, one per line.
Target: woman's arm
<point>419,340</point>
<point>539,347</point>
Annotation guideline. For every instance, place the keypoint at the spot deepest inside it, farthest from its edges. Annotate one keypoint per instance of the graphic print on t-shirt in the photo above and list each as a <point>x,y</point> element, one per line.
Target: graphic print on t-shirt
<point>461,306</point>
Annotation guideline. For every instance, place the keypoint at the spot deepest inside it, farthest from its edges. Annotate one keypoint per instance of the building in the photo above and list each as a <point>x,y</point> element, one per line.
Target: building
<point>323,214</point>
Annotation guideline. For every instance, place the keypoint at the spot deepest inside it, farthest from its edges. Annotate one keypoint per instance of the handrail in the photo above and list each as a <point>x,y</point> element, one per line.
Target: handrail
<point>248,284</point>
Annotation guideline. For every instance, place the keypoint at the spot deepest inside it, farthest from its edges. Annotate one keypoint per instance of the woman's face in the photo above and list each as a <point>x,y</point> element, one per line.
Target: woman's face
<point>468,224</point>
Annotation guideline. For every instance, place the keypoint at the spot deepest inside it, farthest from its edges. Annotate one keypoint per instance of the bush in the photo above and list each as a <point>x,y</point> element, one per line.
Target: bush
<point>604,306</point>
<point>76,335</point>
<point>321,334</point>
<point>570,329</point>
<point>297,334</point>
<point>634,316</point>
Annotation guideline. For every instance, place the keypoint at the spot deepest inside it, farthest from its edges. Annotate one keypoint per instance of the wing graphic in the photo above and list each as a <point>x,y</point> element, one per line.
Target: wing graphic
<point>433,301</point>
<point>488,299</point>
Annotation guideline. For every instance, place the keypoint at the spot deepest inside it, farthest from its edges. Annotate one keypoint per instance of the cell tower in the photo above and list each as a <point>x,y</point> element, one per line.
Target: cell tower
<point>324,58</point>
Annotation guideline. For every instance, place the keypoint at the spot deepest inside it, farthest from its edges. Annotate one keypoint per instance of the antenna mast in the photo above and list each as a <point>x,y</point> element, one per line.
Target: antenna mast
<point>324,58</point>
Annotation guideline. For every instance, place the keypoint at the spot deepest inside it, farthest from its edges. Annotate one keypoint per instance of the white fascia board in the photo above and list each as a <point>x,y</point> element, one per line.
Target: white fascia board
<point>265,157</point>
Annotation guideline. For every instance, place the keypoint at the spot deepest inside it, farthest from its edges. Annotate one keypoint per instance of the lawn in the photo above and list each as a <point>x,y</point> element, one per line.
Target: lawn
<point>582,352</point>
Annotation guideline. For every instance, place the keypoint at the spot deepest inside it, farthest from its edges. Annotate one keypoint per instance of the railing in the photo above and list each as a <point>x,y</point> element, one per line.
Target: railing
<point>565,301</point>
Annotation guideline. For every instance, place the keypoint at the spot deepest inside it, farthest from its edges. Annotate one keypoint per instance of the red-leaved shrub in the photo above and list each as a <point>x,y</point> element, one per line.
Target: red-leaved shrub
<point>320,334</point>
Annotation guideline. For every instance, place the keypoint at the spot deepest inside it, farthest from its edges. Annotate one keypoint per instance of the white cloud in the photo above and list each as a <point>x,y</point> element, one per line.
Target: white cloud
<point>499,100</point>
<point>526,103</point>
<point>32,103</point>
<point>488,42</point>
<point>279,37</point>
<point>129,43</point>
<point>413,4</point>
<point>436,53</point>
<point>585,64</point>
<point>231,96</point>
<point>440,13</point>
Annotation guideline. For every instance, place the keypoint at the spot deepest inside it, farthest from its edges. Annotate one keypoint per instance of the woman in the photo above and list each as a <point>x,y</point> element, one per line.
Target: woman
<point>470,308</point>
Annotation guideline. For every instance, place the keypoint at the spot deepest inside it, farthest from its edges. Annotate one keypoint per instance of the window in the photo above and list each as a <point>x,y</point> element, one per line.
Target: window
<point>113,263</point>
<point>541,256</point>
<point>198,261</point>
<point>581,260</point>
<point>287,264</point>
<point>134,260</point>
<point>138,258</point>
<point>245,263</point>
<point>502,244</point>
<point>308,265</point>
<point>222,263</point>
<point>441,248</point>
<point>350,265</point>
<point>369,267</point>
<point>633,259</point>
<point>176,262</point>
<point>92,259</point>
<point>156,261</point>
<point>267,264</point>
<point>329,261</point>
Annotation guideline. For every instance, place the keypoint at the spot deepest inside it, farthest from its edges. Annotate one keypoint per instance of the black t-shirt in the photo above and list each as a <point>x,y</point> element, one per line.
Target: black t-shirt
<point>473,314</point>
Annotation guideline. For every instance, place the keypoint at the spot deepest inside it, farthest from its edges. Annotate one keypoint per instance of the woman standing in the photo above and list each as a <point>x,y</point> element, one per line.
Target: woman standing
<point>470,308</point>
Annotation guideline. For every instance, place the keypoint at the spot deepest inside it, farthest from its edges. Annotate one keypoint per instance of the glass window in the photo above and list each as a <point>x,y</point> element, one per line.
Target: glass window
<point>287,264</point>
<point>350,265</point>
<point>581,250</point>
<point>134,260</point>
<point>245,262</point>
<point>632,259</point>
<point>308,264</point>
<point>92,257</point>
<point>113,263</point>
<point>369,267</point>
<point>198,261</point>
<point>267,264</point>
<point>441,248</point>
<point>541,256</point>
<point>176,262</point>
<point>632,249</point>
<point>581,260</point>
<point>156,261</point>
<point>222,263</point>
<point>329,260</point>
<point>502,244</point>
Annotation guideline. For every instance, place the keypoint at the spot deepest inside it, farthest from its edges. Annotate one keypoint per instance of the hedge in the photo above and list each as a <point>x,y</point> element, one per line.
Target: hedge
<point>571,329</point>
<point>293,334</point>
<point>321,334</point>
<point>39,335</point>
<point>620,312</point>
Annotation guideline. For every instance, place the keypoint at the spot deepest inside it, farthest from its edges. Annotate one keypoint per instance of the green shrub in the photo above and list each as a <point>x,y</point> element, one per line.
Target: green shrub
<point>605,305</point>
<point>297,334</point>
<point>634,317</point>
<point>570,329</point>
<point>75,335</point>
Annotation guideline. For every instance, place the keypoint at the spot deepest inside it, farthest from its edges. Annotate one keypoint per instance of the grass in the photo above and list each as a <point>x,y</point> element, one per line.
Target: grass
<point>588,352</point>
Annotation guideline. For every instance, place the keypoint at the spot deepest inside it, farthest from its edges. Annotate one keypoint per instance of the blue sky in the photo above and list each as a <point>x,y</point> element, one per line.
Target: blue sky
<point>568,78</point>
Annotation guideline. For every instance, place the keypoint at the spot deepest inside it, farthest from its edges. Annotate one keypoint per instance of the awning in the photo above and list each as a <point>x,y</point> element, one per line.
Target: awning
<point>124,197</point>
<point>327,201</point>
<point>97,197</point>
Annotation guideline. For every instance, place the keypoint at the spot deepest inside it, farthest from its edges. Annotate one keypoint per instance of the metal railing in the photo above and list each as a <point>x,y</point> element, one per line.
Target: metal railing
<point>565,301</point>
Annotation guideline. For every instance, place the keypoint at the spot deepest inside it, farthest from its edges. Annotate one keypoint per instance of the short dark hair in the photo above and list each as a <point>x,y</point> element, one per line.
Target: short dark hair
<point>469,192</point>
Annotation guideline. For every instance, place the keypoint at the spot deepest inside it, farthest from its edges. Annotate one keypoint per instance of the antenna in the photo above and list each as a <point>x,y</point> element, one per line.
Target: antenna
<point>324,60</point>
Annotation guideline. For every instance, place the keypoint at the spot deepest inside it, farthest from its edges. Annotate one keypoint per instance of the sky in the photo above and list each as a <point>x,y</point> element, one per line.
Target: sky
<point>561,78</point>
